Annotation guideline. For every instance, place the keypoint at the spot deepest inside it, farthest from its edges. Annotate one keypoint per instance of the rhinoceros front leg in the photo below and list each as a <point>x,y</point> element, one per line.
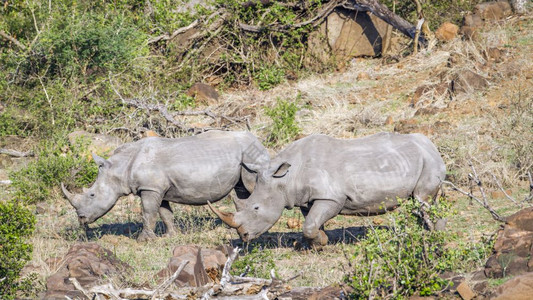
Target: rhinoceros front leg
<point>168,218</point>
<point>151,202</point>
<point>320,212</point>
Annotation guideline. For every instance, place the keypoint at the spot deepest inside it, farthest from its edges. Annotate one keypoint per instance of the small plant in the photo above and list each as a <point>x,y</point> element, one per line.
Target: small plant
<point>256,263</point>
<point>17,223</point>
<point>405,258</point>
<point>182,101</point>
<point>269,77</point>
<point>284,128</point>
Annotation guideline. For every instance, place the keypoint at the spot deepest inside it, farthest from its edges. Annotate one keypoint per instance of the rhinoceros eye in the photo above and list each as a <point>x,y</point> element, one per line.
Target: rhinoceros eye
<point>91,195</point>
<point>256,207</point>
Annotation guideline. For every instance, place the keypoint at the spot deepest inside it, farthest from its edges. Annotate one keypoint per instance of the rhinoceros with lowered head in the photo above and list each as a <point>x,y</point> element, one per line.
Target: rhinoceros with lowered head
<point>190,170</point>
<point>325,177</point>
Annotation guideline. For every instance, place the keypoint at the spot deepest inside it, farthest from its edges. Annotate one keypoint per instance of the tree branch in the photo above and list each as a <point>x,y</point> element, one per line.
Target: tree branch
<point>12,39</point>
<point>16,153</point>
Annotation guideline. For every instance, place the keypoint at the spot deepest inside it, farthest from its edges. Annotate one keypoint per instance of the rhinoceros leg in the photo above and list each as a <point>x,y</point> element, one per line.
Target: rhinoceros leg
<point>319,213</point>
<point>151,201</point>
<point>168,218</point>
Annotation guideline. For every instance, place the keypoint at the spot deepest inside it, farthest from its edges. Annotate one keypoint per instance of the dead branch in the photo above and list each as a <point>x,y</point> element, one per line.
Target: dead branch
<point>170,280</point>
<point>157,107</point>
<point>168,37</point>
<point>170,117</point>
<point>225,274</point>
<point>530,197</point>
<point>16,153</point>
<point>483,202</point>
<point>12,39</point>
<point>321,15</point>
<point>382,12</point>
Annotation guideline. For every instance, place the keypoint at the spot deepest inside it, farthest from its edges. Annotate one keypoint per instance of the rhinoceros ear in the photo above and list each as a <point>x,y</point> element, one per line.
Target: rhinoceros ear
<point>100,161</point>
<point>282,170</point>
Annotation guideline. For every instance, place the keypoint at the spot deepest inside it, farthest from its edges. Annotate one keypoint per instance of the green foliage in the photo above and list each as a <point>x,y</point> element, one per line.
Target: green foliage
<point>17,223</point>
<point>269,77</point>
<point>258,263</point>
<point>89,44</point>
<point>35,182</point>
<point>436,12</point>
<point>284,128</point>
<point>182,101</point>
<point>405,258</point>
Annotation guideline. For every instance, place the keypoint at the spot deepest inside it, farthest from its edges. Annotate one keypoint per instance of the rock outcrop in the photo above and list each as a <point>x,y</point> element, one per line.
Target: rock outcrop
<point>89,264</point>
<point>513,249</point>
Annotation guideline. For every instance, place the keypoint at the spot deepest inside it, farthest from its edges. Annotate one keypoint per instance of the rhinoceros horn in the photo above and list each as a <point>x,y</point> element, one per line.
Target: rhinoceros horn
<point>71,197</point>
<point>224,216</point>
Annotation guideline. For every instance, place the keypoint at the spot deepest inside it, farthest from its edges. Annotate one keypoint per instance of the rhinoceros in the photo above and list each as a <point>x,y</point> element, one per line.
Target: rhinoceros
<point>190,170</point>
<point>325,177</point>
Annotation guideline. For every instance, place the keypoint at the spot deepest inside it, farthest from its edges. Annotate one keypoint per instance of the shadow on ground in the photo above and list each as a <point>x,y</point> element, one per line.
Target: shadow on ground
<point>271,240</point>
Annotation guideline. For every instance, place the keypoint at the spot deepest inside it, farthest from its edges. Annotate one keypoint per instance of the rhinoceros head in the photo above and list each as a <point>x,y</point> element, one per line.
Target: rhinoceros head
<point>101,196</point>
<point>263,208</point>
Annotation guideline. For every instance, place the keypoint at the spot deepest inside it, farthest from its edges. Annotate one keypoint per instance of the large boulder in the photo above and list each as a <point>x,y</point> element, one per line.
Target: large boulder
<point>518,288</point>
<point>513,249</point>
<point>346,34</point>
<point>89,264</point>
<point>204,265</point>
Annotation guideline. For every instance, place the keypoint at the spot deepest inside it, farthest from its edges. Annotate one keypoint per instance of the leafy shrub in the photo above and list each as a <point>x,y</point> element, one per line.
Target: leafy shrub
<point>405,258</point>
<point>284,128</point>
<point>269,77</point>
<point>17,223</point>
<point>90,44</point>
<point>34,182</point>
<point>258,263</point>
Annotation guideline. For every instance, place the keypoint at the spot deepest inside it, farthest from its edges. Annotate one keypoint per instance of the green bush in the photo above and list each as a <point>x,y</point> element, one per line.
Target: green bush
<point>405,258</point>
<point>269,77</point>
<point>284,127</point>
<point>35,182</point>
<point>90,44</point>
<point>257,263</point>
<point>16,225</point>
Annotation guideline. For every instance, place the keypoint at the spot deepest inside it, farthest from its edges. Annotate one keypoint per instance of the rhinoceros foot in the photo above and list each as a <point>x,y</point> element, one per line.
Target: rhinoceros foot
<point>146,236</point>
<point>315,244</point>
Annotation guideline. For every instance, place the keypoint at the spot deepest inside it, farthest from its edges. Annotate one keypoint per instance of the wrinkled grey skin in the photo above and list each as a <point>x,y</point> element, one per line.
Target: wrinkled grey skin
<point>190,170</point>
<point>326,177</point>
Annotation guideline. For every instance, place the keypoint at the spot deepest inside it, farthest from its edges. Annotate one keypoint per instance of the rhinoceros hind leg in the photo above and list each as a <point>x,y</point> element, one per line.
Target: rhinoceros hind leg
<point>151,201</point>
<point>165,211</point>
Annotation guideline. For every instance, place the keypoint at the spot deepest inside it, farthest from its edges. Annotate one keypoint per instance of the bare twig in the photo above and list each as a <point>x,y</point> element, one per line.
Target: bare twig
<point>16,153</point>
<point>170,280</point>
<point>504,192</point>
<point>483,202</point>
<point>226,277</point>
<point>530,197</point>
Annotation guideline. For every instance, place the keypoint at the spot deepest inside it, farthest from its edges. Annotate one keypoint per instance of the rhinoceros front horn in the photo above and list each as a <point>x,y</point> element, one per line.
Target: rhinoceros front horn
<point>71,197</point>
<point>224,216</point>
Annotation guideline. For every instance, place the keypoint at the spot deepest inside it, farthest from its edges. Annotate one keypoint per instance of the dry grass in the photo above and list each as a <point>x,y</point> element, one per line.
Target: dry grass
<point>491,127</point>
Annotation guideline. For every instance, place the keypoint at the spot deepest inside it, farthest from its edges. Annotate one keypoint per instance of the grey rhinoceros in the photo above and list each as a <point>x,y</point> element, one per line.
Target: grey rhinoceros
<point>325,177</point>
<point>189,170</point>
